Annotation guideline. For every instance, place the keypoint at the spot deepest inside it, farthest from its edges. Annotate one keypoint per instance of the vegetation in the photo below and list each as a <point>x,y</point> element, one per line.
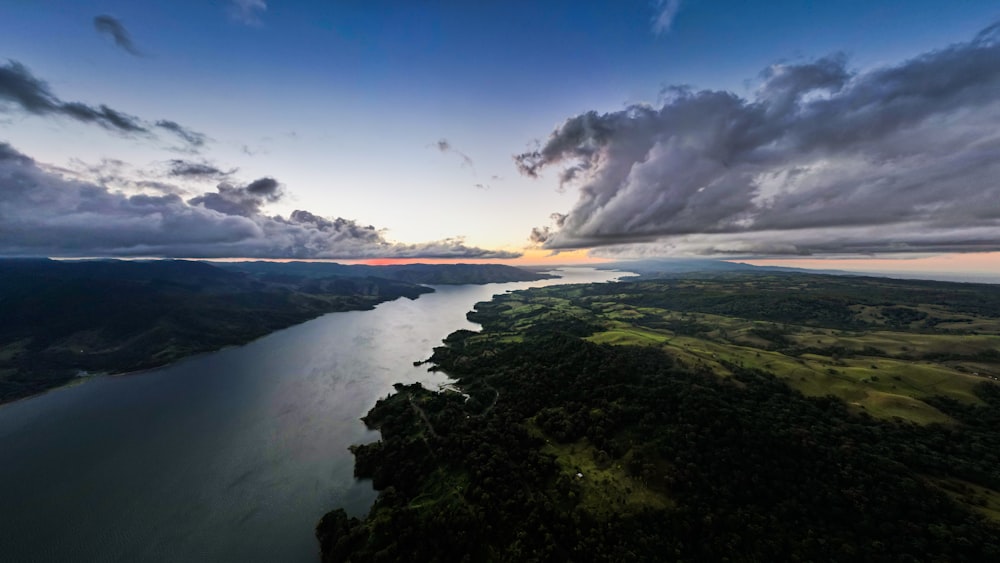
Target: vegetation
<point>721,417</point>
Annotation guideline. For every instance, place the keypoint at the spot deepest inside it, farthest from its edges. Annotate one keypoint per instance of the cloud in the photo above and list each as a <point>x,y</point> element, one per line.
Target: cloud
<point>247,12</point>
<point>8,156</point>
<point>445,147</point>
<point>245,201</point>
<point>114,174</point>
<point>485,186</point>
<point>540,234</point>
<point>666,12</point>
<point>196,170</point>
<point>820,159</point>
<point>21,89</point>
<point>194,139</point>
<point>43,212</point>
<point>107,25</point>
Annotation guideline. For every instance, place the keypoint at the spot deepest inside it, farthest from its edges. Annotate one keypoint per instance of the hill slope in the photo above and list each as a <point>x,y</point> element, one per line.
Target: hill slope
<point>672,420</point>
<point>58,319</point>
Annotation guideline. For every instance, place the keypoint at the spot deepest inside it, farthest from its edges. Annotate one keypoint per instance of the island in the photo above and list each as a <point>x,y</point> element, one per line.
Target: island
<point>743,416</point>
<point>60,320</point>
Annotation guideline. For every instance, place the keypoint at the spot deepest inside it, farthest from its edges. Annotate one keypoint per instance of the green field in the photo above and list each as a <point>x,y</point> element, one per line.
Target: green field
<point>887,373</point>
<point>606,489</point>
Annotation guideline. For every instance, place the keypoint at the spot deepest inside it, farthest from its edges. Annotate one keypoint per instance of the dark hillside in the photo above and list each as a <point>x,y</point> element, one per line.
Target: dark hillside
<point>430,274</point>
<point>59,319</point>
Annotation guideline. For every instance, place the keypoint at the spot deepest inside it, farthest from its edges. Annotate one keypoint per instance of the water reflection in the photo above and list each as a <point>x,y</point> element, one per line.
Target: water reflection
<point>230,456</point>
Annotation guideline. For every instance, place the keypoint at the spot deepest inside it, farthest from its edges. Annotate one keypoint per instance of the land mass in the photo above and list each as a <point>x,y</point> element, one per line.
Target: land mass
<point>430,274</point>
<point>719,416</point>
<point>63,319</point>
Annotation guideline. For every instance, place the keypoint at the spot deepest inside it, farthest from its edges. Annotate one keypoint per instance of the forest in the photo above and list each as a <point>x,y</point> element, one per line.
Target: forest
<point>713,417</point>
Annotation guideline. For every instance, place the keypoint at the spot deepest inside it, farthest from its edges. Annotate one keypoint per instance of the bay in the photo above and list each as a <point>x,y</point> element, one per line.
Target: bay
<point>228,456</point>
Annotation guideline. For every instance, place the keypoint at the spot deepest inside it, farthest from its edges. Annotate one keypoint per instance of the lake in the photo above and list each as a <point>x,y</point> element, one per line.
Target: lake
<point>228,456</point>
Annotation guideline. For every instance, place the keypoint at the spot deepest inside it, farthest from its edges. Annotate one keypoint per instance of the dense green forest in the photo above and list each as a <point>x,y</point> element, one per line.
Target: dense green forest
<point>61,319</point>
<point>749,417</point>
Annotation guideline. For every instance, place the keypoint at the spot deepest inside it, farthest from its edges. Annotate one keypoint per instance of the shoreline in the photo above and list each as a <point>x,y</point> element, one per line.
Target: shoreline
<point>82,379</point>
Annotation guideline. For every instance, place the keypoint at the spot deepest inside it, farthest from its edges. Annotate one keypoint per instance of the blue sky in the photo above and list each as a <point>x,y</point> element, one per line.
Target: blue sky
<point>344,102</point>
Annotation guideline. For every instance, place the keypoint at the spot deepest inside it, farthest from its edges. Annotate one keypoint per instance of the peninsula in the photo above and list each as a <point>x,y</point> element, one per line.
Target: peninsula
<point>715,416</point>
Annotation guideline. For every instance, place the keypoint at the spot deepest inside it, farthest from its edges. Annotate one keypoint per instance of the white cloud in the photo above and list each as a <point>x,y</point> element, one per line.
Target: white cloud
<point>247,12</point>
<point>666,12</point>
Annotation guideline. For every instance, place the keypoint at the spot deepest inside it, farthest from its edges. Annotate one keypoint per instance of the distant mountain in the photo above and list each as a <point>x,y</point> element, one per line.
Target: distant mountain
<point>178,271</point>
<point>665,267</point>
<point>670,267</point>
<point>430,274</point>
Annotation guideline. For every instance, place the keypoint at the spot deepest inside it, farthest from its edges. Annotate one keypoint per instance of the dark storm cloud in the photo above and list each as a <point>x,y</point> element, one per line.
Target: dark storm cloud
<point>113,28</point>
<point>21,89</point>
<point>896,159</point>
<point>43,212</point>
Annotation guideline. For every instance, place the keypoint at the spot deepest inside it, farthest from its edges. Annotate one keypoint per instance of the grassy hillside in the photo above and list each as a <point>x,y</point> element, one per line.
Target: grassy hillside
<point>880,345</point>
<point>753,417</point>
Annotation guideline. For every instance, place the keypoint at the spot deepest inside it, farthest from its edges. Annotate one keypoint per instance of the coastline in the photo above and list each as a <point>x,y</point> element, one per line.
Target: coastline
<point>80,380</point>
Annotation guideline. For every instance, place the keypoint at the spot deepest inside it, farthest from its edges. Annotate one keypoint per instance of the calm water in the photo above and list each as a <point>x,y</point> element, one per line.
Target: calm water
<point>230,456</point>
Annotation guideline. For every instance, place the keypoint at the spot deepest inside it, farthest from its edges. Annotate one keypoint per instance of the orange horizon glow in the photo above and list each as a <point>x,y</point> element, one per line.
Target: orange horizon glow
<point>531,257</point>
<point>967,263</point>
<point>970,263</point>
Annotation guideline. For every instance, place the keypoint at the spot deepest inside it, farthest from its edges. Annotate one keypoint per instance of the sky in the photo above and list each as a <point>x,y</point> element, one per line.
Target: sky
<point>842,132</point>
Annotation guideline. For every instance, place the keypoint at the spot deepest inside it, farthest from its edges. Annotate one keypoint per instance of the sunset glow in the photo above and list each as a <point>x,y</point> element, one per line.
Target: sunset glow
<point>420,133</point>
